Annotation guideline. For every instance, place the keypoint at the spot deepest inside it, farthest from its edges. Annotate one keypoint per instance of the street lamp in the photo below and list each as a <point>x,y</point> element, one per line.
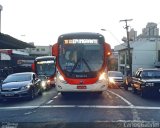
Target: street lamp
<point>0,16</point>
<point>103,29</point>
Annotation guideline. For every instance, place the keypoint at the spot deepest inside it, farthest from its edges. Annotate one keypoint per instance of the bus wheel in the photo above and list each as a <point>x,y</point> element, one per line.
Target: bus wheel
<point>64,93</point>
<point>99,93</point>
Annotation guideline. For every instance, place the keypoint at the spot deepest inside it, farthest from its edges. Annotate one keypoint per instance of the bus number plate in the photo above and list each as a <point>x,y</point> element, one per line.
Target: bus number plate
<point>81,87</point>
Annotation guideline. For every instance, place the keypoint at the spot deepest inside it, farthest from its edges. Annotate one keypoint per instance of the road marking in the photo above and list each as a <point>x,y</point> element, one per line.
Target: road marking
<point>134,111</point>
<point>82,106</point>
<point>49,102</point>
<point>27,113</point>
<point>55,97</point>
<point>125,100</point>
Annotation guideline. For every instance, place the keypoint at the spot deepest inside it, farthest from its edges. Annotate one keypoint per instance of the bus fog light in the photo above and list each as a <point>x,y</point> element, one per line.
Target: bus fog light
<point>59,87</point>
<point>103,86</point>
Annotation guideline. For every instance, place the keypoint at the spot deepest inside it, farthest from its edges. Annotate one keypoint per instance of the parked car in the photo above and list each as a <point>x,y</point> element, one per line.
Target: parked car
<point>19,85</point>
<point>115,79</point>
<point>146,82</point>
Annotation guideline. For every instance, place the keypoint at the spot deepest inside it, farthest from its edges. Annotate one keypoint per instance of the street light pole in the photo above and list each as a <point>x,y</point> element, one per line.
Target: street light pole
<point>128,45</point>
<point>0,16</point>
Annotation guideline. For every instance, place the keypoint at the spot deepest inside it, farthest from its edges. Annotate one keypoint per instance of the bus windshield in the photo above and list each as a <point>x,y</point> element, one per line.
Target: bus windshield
<point>81,60</point>
<point>45,67</point>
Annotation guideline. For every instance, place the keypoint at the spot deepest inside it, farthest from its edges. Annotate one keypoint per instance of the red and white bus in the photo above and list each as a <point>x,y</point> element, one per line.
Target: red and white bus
<point>45,68</point>
<point>81,62</point>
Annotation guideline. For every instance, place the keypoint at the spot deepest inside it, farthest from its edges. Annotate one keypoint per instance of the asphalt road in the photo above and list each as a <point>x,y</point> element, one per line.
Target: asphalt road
<point>115,107</point>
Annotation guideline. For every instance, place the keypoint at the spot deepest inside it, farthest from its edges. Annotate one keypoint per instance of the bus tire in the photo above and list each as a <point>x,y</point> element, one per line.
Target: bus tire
<point>64,93</point>
<point>99,93</point>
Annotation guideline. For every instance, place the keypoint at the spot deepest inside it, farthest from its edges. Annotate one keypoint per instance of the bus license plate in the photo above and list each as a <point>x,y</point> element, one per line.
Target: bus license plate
<point>81,87</point>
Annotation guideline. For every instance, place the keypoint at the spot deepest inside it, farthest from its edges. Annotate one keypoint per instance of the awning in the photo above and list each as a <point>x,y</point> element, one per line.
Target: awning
<point>9,42</point>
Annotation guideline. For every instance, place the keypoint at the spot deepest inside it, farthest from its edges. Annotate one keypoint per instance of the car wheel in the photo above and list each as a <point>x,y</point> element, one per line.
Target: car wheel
<point>143,94</point>
<point>134,90</point>
<point>32,94</point>
<point>126,87</point>
<point>40,91</point>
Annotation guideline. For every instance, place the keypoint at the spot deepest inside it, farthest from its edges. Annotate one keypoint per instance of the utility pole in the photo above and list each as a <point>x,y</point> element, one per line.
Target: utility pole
<point>128,45</point>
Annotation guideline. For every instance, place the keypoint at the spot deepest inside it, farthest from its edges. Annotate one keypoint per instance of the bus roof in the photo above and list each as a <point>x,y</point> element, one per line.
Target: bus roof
<point>45,57</point>
<point>81,35</point>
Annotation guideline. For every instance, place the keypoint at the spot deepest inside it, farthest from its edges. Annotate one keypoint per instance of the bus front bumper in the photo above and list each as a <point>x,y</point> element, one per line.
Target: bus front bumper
<point>96,87</point>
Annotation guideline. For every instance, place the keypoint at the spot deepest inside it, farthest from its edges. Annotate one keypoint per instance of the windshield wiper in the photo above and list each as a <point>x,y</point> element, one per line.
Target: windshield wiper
<point>86,64</point>
<point>76,64</point>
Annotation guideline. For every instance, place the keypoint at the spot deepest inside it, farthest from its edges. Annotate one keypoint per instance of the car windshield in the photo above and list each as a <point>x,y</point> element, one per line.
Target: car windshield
<point>46,67</point>
<point>18,78</point>
<point>151,74</point>
<point>115,74</point>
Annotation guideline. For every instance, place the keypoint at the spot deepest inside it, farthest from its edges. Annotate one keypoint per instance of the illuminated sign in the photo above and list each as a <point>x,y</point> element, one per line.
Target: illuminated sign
<point>45,62</point>
<point>81,41</point>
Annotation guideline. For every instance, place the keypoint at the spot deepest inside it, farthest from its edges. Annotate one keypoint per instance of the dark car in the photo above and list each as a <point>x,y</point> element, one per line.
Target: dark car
<point>21,85</point>
<point>146,82</point>
<point>115,79</point>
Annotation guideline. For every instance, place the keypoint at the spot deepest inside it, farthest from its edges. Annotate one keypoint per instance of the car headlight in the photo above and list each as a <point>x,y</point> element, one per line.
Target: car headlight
<point>48,81</point>
<point>111,80</point>
<point>43,84</point>
<point>102,76</point>
<point>150,84</point>
<point>25,87</point>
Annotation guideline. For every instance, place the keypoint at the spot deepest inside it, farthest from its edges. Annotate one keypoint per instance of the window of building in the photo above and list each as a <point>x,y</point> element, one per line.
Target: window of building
<point>122,59</point>
<point>42,49</point>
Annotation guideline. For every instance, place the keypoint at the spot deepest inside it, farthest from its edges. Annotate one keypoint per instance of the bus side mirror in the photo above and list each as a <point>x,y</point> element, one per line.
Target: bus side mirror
<point>108,50</point>
<point>33,67</point>
<point>55,50</point>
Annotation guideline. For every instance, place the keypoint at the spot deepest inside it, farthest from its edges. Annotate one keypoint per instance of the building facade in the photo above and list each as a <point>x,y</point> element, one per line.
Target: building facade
<point>40,51</point>
<point>145,50</point>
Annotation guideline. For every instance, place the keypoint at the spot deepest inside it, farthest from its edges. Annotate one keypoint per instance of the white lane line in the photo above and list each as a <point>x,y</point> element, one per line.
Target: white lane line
<point>134,111</point>
<point>125,100</point>
<point>49,102</point>
<point>27,113</point>
<point>55,97</point>
<point>82,106</point>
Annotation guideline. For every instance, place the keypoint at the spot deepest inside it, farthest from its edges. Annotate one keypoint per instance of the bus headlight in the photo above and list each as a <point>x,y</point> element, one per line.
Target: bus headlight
<point>102,76</point>
<point>111,80</point>
<point>61,78</point>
